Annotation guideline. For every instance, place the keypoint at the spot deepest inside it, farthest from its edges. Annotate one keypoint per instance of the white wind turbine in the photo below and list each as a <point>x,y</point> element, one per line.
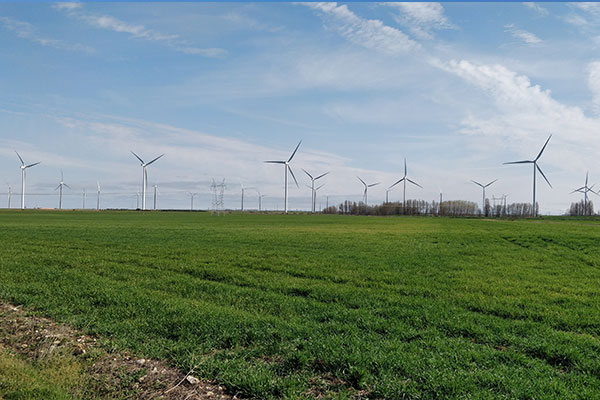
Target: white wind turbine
<point>260,196</point>
<point>98,198</point>
<point>192,200</point>
<point>585,189</point>
<point>9,195</point>
<point>365,193</point>
<point>155,193</point>
<point>483,188</point>
<point>23,168</point>
<point>312,187</point>
<point>287,168</point>
<point>60,189</point>
<point>243,190</point>
<point>405,179</point>
<point>145,176</point>
<point>535,167</point>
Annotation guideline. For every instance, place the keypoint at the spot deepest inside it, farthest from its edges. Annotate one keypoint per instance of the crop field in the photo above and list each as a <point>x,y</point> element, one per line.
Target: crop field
<point>305,306</point>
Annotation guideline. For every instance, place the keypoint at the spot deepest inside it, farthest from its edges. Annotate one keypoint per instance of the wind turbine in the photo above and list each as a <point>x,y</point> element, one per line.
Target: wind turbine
<point>60,186</point>
<point>483,187</point>
<point>192,200</point>
<point>260,196</point>
<point>243,190</point>
<point>23,168</point>
<point>404,179</point>
<point>98,198</point>
<point>155,192</point>
<point>535,167</point>
<point>312,187</point>
<point>84,198</point>
<point>316,190</point>
<point>145,176</point>
<point>365,193</point>
<point>287,168</point>
<point>9,195</point>
<point>585,189</point>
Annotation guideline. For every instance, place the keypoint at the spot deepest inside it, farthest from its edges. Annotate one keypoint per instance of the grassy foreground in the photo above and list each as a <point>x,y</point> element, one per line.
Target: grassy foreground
<point>304,306</point>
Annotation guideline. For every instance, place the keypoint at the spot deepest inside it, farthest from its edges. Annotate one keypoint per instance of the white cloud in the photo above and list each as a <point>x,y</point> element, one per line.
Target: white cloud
<point>541,11</point>
<point>27,31</point>
<point>527,37</point>
<point>138,31</point>
<point>421,18</point>
<point>594,83</point>
<point>369,33</point>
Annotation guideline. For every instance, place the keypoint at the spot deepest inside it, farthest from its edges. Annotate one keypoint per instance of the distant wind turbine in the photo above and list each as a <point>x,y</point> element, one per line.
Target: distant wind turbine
<point>192,200</point>
<point>60,189</point>
<point>23,168</point>
<point>9,195</point>
<point>243,190</point>
<point>585,189</point>
<point>483,188</point>
<point>535,167</point>
<point>316,190</point>
<point>145,176</point>
<point>405,179</point>
<point>287,168</point>
<point>83,198</point>
<point>98,198</point>
<point>312,187</point>
<point>260,196</point>
<point>365,192</point>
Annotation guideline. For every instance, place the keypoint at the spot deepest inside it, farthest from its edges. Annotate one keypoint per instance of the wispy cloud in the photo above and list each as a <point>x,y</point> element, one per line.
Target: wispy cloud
<point>539,10</point>
<point>369,33</point>
<point>523,35</point>
<point>27,31</point>
<point>594,83</point>
<point>138,31</point>
<point>421,18</point>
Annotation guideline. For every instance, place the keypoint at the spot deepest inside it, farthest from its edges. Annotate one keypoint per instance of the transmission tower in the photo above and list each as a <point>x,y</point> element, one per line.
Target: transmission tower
<point>218,190</point>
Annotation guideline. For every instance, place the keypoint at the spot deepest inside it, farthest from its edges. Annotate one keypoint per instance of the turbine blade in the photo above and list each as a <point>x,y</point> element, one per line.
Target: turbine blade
<point>586,178</point>
<point>405,170</point>
<point>275,162</point>
<point>396,183</point>
<point>319,187</point>
<point>57,187</point>
<point>308,186</point>
<point>543,148</point>
<point>322,175</point>
<point>293,176</point>
<point>546,179</point>
<point>306,172</point>
<point>491,182</point>
<point>136,156</point>
<point>363,182</point>
<point>155,159</point>
<point>374,184</point>
<point>519,162</point>
<point>32,165</point>
<point>68,186</point>
<point>477,183</point>
<point>295,150</point>
<point>414,183</point>
<point>576,190</point>
<point>18,155</point>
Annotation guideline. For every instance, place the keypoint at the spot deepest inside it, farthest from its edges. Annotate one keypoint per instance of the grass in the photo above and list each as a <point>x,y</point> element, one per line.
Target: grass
<point>301,306</point>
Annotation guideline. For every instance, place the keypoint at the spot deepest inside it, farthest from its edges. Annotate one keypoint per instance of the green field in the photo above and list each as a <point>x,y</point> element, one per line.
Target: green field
<point>303,306</point>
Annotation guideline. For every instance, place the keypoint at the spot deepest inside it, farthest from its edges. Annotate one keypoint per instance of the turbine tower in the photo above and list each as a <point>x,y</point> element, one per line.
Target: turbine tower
<point>192,200</point>
<point>9,195</point>
<point>98,198</point>
<point>287,168</point>
<point>365,193</point>
<point>60,186</point>
<point>84,198</point>
<point>312,187</point>
<point>23,168</point>
<point>483,188</point>
<point>535,167</point>
<point>243,190</point>
<point>155,192</point>
<point>585,189</point>
<point>145,176</point>
<point>405,179</point>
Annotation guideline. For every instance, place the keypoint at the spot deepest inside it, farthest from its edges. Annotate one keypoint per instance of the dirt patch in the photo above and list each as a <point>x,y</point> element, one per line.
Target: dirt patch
<point>108,374</point>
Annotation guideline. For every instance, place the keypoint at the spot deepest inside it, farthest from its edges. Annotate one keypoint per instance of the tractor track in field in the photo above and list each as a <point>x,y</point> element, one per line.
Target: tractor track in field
<point>109,374</point>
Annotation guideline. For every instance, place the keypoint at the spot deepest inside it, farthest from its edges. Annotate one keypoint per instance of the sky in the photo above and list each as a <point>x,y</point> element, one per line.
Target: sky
<point>455,88</point>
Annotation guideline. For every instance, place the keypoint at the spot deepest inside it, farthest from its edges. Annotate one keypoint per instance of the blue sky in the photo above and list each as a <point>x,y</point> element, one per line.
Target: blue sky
<point>456,88</point>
